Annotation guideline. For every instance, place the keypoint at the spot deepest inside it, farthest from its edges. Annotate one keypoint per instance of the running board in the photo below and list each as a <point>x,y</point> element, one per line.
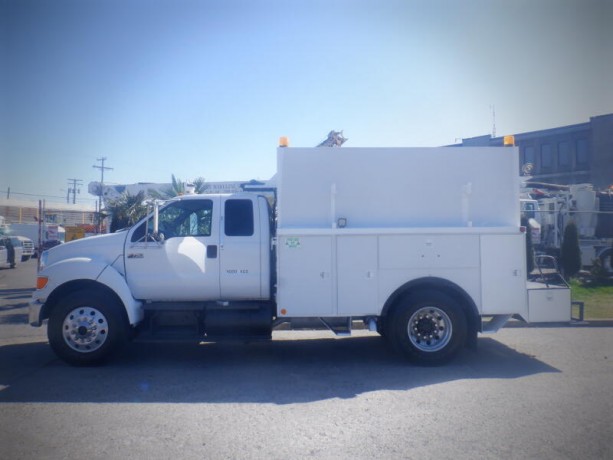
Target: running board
<point>340,326</point>
<point>494,324</point>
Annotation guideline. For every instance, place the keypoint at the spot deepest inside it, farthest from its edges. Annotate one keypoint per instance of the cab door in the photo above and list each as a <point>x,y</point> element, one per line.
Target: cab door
<point>240,249</point>
<point>185,265</point>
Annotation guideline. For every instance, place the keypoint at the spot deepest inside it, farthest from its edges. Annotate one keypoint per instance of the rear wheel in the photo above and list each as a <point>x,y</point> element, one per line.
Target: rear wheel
<point>428,329</point>
<point>606,260</point>
<point>86,327</point>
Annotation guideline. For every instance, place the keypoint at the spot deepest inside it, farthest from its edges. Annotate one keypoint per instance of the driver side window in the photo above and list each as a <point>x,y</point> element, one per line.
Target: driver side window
<point>181,218</point>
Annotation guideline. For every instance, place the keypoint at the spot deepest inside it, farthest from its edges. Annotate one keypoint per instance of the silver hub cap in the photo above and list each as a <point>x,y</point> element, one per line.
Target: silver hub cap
<point>429,329</point>
<point>85,329</point>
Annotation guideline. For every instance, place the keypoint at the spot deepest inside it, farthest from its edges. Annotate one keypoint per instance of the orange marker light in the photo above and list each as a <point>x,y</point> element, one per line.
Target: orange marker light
<point>283,311</point>
<point>41,282</point>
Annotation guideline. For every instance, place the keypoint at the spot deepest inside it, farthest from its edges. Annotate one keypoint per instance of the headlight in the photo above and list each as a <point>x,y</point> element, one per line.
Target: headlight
<point>43,259</point>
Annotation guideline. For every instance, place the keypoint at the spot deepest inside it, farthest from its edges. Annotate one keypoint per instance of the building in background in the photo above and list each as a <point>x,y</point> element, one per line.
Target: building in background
<point>575,154</point>
<point>17,211</point>
<point>24,218</point>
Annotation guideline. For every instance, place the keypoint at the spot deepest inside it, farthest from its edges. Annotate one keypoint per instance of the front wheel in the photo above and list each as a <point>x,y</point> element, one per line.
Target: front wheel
<point>86,327</point>
<point>429,329</point>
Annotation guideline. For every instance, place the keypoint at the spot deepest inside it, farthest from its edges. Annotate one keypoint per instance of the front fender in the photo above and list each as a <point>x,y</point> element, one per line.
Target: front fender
<point>65,270</point>
<point>115,281</point>
<point>62,274</point>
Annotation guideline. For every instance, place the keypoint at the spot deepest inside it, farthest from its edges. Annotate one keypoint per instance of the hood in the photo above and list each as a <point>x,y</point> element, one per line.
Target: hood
<point>105,248</point>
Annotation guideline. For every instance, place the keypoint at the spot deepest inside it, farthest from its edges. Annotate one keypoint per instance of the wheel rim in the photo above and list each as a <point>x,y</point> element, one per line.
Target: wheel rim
<point>429,329</point>
<point>85,329</point>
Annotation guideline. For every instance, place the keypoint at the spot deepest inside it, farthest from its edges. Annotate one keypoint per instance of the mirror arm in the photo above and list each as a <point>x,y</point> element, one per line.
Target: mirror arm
<point>156,221</point>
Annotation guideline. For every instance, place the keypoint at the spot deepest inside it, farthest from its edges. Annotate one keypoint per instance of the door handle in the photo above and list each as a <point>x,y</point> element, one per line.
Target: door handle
<point>211,251</point>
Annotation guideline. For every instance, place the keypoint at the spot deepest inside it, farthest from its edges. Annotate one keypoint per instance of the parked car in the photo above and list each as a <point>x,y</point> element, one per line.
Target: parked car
<point>49,244</point>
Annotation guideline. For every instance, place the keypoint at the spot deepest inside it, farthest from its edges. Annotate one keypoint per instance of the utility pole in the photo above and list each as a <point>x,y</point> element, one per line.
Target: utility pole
<point>102,168</point>
<point>75,183</point>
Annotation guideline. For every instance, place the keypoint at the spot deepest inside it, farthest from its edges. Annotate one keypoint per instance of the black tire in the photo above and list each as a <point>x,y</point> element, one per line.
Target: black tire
<point>429,328</point>
<point>86,327</point>
<point>607,265</point>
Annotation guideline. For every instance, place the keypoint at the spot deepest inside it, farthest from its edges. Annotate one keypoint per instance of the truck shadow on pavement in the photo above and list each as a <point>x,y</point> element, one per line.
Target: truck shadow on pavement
<point>277,372</point>
<point>15,298</point>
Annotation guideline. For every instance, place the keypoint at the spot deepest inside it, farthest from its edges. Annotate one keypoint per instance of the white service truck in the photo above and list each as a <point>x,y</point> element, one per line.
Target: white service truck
<point>411,242</point>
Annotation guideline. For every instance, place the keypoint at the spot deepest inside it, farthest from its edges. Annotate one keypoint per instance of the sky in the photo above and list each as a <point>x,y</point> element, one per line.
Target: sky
<point>206,88</point>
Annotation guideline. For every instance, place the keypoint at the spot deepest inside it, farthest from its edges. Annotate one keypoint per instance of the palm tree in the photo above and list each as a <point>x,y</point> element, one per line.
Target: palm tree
<point>126,210</point>
<point>200,185</point>
<point>178,188</point>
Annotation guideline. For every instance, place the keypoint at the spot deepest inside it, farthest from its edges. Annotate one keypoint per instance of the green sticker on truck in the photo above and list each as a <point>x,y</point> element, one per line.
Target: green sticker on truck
<point>292,242</point>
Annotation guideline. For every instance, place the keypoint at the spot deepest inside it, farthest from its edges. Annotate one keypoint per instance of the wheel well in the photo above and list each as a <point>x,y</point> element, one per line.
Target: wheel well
<point>604,253</point>
<point>413,288</point>
<point>80,285</point>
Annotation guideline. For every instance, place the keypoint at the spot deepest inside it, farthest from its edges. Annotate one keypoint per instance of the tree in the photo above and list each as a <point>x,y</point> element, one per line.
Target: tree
<point>570,252</point>
<point>199,184</point>
<point>126,210</point>
<point>178,188</point>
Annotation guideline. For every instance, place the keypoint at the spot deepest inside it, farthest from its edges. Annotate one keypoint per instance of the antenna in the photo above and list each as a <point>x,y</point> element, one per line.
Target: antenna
<point>493,108</point>
<point>335,139</point>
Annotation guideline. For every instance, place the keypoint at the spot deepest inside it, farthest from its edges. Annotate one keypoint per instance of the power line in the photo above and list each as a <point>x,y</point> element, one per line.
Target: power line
<point>9,193</point>
<point>102,168</point>
<point>75,183</point>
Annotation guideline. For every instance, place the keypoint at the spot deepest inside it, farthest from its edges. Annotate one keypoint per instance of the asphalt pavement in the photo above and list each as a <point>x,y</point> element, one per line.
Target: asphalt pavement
<point>525,393</point>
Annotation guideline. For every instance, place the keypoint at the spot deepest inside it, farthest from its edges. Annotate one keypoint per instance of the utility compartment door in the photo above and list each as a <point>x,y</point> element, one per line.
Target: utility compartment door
<point>503,274</point>
<point>305,276</point>
<point>548,303</point>
<point>357,275</point>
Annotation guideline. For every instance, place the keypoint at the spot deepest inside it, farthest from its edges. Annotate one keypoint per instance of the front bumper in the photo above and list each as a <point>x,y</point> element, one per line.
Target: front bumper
<point>34,314</point>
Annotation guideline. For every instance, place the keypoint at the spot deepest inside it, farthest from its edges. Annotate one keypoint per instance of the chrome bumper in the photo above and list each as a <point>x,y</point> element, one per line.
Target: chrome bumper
<point>34,313</point>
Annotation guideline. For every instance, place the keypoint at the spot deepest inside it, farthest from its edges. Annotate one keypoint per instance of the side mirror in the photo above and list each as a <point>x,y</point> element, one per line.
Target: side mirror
<point>157,237</point>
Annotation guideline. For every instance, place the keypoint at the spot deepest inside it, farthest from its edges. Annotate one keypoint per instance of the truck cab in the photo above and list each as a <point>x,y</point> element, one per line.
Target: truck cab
<point>199,269</point>
<point>207,248</point>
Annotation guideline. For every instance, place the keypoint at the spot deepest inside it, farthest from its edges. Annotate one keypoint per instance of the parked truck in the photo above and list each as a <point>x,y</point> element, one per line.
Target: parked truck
<point>555,206</point>
<point>409,242</point>
<point>50,234</point>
